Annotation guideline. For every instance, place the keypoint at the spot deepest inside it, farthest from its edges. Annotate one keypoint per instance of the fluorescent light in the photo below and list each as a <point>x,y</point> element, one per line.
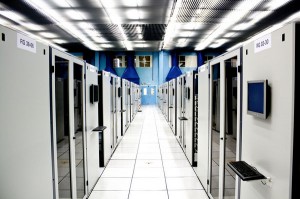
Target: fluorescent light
<point>33,27</point>
<point>92,32</point>
<point>75,15</point>
<point>114,16</point>
<point>230,34</point>
<point>128,45</point>
<point>219,43</point>
<point>123,3</point>
<point>140,36</point>
<point>265,32</point>
<point>186,34</point>
<point>181,40</point>
<point>107,46</point>
<point>3,21</point>
<point>57,18</point>
<point>242,26</point>
<point>230,19</point>
<point>132,13</point>
<point>274,4</point>
<point>171,25</point>
<point>99,39</point>
<point>61,3</point>
<point>48,35</point>
<point>59,41</point>
<point>138,29</point>
<point>12,15</point>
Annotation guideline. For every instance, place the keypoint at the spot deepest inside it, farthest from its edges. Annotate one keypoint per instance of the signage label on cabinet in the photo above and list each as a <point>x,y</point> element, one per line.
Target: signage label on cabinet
<point>26,43</point>
<point>263,43</point>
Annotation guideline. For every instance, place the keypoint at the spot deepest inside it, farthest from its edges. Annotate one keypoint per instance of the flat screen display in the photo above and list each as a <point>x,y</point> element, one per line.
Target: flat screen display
<point>257,98</point>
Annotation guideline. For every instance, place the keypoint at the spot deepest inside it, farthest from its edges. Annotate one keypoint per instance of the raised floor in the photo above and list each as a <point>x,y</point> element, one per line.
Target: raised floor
<point>148,164</point>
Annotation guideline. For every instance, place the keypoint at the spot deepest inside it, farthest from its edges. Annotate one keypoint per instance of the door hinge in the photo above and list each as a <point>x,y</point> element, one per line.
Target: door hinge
<point>84,76</point>
<point>207,182</point>
<point>87,183</point>
<point>52,69</point>
<point>208,76</point>
<point>111,146</point>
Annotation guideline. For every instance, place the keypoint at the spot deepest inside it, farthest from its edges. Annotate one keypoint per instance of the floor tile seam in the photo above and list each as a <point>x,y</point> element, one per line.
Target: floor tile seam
<point>161,154</point>
<point>136,155</point>
<point>193,169</point>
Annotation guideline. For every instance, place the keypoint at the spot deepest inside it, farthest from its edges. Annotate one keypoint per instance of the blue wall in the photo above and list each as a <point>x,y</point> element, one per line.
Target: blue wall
<point>155,75</point>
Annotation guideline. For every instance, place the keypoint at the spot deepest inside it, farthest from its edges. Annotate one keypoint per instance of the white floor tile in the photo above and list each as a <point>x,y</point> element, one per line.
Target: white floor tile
<point>183,183</point>
<point>124,156</point>
<point>128,144</point>
<point>180,172</point>
<point>148,172</point>
<point>126,150</point>
<point>113,184</point>
<point>173,156</point>
<point>109,195</point>
<point>171,149</point>
<point>117,172</point>
<point>121,164</point>
<point>149,150</point>
<point>148,164</point>
<point>148,184</point>
<point>175,163</point>
<point>188,194</point>
<point>149,156</point>
<point>148,195</point>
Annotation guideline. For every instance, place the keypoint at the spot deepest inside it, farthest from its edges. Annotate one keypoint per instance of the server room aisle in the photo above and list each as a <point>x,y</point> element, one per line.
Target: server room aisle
<point>148,164</point>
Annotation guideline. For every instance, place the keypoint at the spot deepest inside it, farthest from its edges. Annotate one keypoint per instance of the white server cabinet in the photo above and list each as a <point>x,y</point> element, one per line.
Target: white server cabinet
<point>179,93</point>
<point>181,110</point>
<point>105,112</point>
<point>202,168</point>
<point>69,127</point>
<point>124,105</point>
<point>117,108</point>
<point>128,110</point>
<point>225,104</point>
<point>172,104</point>
<point>132,101</point>
<point>165,100</point>
<point>191,114</point>
<point>267,144</point>
<point>25,138</point>
<point>92,133</point>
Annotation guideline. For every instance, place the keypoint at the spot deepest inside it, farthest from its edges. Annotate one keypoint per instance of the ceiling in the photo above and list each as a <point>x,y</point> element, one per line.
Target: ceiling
<point>143,25</point>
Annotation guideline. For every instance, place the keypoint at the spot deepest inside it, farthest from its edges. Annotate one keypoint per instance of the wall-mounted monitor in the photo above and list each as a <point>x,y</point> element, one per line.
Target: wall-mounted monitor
<point>94,93</point>
<point>258,98</point>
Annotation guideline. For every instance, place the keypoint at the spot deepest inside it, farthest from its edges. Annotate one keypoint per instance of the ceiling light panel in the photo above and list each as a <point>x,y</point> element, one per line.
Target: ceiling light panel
<point>62,21</point>
<point>48,35</point>
<point>59,41</point>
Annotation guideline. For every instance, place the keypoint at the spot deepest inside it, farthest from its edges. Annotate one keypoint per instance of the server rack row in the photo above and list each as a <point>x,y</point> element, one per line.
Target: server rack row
<point>61,120</point>
<point>215,123</point>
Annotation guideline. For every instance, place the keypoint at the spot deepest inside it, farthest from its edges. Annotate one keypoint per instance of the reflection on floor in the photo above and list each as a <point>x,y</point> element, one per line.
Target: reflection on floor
<point>148,164</point>
<point>230,155</point>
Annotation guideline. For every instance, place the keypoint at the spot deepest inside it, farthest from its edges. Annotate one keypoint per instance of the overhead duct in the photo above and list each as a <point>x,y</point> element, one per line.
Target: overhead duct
<point>109,64</point>
<point>175,70</point>
<point>200,60</point>
<point>130,73</point>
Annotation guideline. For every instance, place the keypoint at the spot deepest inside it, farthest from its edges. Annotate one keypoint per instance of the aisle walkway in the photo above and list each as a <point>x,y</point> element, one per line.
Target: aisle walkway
<point>148,164</point>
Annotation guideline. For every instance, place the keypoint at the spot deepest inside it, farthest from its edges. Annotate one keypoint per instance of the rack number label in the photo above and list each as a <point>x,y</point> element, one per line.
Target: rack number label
<point>263,43</point>
<point>26,43</point>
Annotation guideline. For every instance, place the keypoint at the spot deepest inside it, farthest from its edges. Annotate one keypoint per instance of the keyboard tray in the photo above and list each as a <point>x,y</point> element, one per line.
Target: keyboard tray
<point>245,171</point>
